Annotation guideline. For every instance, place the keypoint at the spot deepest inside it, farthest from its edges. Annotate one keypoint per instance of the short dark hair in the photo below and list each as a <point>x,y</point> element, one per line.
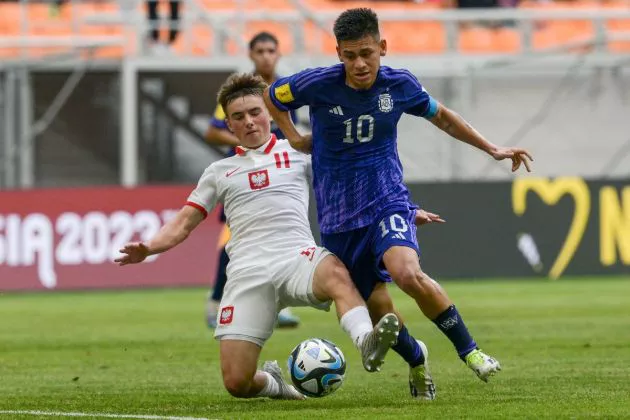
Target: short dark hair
<point>239,85</point>
<point>263,36</point>
<point>355,24</point>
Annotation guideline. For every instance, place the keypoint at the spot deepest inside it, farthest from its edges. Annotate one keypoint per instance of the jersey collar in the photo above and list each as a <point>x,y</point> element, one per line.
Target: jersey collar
<point>265,148</point>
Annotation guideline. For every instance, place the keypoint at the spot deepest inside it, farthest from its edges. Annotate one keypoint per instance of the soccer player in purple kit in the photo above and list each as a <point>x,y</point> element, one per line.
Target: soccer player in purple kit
<point>363,207</point>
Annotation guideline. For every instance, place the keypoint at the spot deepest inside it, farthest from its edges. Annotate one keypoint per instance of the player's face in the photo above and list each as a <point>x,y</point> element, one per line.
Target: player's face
<point>248,119</point>
<point>265,56</point>
<point>362,59</point>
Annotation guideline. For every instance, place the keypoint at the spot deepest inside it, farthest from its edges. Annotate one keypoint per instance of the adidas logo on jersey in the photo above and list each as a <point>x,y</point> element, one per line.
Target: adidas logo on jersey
<point>336,110</point>
<point>398,236</point>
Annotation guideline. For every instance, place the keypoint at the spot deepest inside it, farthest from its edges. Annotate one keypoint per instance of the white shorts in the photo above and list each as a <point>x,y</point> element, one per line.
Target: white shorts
<point>254,295</point>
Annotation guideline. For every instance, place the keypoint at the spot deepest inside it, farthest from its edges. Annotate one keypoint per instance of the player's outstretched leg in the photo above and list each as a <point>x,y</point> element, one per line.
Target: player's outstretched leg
<point>403,265</point>
<point>241,378</point>
<point>413,351</point>
<point>332,281</point>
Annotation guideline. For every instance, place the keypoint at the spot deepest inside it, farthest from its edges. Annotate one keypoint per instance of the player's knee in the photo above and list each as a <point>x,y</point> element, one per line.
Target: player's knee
<point>237,384</point>
<point>411,279</point>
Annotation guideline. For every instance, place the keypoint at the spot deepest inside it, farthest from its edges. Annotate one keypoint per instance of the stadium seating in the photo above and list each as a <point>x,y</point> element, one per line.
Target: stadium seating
<point>41,20</point>
<point>405,37</point>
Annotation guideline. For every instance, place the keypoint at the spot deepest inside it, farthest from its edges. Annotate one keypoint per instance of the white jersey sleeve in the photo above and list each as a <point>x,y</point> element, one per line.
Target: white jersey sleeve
<point>205,196</point>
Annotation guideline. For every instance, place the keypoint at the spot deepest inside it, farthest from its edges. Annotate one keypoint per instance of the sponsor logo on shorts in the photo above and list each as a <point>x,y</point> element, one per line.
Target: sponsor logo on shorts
<point>226,315</point>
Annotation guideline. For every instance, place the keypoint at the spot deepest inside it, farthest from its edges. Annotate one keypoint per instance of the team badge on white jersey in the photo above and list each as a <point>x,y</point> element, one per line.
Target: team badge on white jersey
<point>385,102</point>
<point>259,179</point>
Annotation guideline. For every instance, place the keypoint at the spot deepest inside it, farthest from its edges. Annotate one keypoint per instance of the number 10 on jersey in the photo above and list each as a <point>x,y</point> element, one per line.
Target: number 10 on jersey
<point>396,223</point>
<point>363,134</point>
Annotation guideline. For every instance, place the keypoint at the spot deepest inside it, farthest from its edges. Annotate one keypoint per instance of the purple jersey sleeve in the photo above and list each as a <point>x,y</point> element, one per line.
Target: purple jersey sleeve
<point>418,101</point>
<point>299,89</point>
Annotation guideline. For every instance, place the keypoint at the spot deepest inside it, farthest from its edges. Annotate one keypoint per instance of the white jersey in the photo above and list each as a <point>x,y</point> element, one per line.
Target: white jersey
<point>265,195</point>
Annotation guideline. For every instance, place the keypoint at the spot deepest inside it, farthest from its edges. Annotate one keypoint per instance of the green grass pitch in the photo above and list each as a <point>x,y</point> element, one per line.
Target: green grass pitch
<point>564,347</point>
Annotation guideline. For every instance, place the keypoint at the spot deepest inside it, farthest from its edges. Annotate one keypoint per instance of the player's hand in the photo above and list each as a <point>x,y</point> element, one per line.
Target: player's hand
<point>517,155</point>
<point>423,217</point>
<point>134,253</point>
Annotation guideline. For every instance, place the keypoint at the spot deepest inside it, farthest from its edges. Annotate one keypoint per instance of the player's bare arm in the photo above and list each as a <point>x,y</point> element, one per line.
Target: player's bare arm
<point>453,124</point>
<point>283,119</point>
<point>172,234</point>
<point>221,137</point>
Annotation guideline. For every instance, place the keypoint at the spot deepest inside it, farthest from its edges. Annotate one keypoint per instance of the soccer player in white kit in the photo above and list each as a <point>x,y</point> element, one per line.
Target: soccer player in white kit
<point>274,261</point>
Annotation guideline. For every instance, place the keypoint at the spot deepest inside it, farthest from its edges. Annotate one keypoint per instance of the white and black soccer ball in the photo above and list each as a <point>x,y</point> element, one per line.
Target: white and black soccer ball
<point>317,367</point>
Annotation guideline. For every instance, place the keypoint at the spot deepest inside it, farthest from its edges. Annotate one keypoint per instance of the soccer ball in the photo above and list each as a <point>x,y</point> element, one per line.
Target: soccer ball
<point>317,367</point>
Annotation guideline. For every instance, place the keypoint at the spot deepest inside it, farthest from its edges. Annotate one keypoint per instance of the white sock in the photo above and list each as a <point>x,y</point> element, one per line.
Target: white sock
<point>271,389</point>
<point>357,324</point>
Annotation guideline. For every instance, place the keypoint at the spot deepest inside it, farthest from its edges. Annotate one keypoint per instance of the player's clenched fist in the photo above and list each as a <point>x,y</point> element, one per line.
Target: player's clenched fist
<point>134,253</point>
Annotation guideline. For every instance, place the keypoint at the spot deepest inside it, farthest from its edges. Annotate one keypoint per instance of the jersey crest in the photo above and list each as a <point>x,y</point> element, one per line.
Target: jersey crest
<point>385,102</point>
<point>259,179</point>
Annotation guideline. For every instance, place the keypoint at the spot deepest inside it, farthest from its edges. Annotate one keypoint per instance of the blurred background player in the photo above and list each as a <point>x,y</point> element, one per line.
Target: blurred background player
<point>264,53</point>
<point>159,47</point>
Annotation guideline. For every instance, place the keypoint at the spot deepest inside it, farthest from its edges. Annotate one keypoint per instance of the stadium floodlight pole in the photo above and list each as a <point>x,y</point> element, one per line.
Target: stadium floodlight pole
<point>128,124</point>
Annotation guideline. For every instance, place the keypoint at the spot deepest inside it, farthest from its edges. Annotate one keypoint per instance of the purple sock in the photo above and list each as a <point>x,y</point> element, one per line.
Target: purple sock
<point>452,325</point>
<point>408,348</point>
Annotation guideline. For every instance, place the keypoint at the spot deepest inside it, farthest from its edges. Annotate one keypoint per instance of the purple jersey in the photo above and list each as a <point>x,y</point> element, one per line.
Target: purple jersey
<point>357,174</point>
